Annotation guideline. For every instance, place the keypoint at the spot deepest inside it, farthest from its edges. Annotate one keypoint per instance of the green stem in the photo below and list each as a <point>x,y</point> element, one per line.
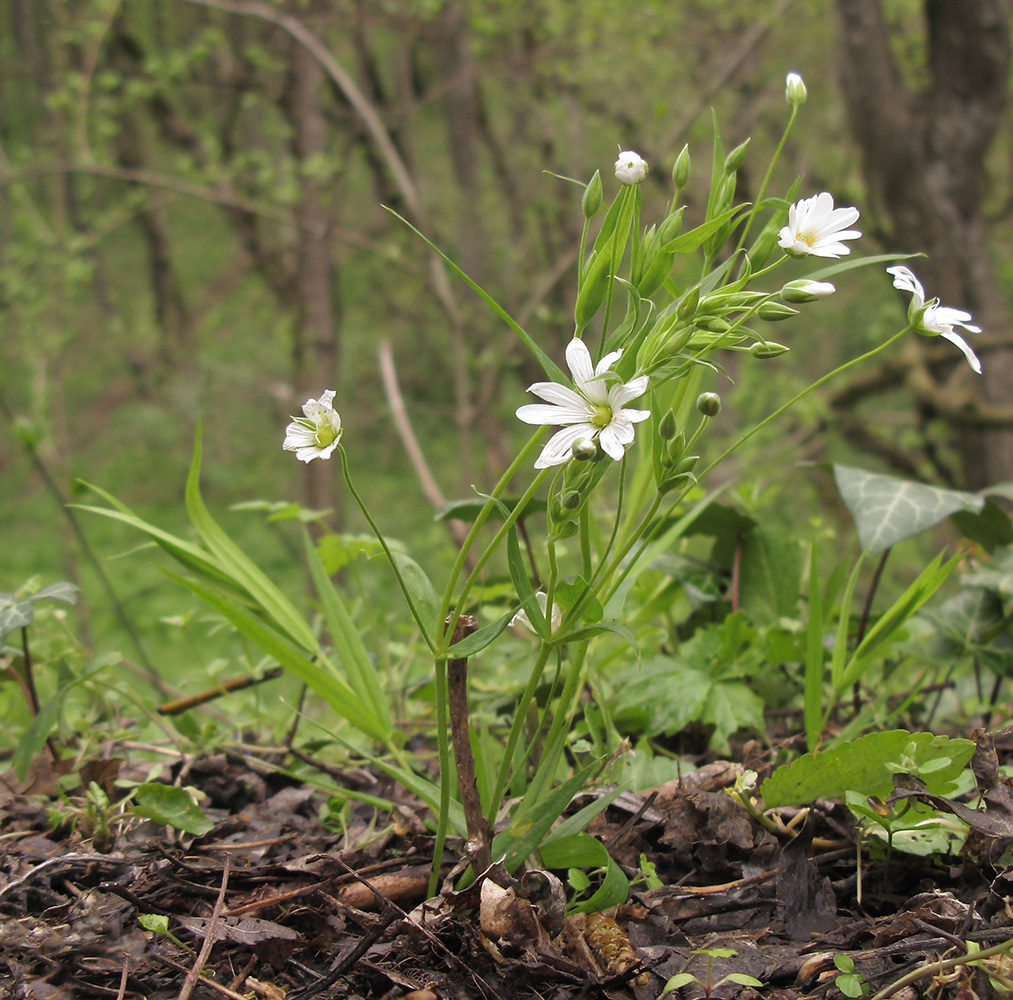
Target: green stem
<point>515,730</point>
<point>801,395</point>
<point>483,516</point>
<point>426,628</point>
<point>507,524</point>
<point>443,748</point>
<point>766,179</point>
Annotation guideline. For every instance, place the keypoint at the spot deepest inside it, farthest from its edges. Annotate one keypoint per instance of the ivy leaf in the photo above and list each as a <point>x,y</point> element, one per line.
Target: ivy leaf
<point>887,510</point>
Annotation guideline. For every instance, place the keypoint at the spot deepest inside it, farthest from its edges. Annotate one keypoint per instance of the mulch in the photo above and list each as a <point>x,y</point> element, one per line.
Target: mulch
<point>286,897</point>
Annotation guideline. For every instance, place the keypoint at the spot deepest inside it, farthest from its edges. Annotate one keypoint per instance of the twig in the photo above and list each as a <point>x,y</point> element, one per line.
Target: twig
<point>124,974</point>
<point>934,968</point>
<point>402,423</point>
<point>210,931</point>
<point>209,983</point>
<point>181,705</point>
<point>366,942</point>
<point>460,732</point>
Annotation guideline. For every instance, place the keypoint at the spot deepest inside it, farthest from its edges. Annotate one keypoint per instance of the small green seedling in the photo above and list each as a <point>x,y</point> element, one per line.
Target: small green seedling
<point>681,979</point>
<point>849,982</point>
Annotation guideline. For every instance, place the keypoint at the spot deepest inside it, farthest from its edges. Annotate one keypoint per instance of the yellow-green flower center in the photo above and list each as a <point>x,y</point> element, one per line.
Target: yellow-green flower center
<point>602,415</point>
<point>325,435</point>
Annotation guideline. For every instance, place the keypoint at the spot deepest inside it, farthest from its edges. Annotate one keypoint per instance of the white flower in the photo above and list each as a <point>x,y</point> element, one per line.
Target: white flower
<point>794,90</point>
<point>521,618</point>
<point>816,227</point>
<point>631,168</point>
<point>931,318</point>
<point>315,434</point>
<point>594,411</point>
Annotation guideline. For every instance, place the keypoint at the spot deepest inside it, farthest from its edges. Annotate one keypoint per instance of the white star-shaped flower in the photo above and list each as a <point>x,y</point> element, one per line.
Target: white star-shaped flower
<point>521,618</point>
<point>594,412</point>
<point>816,227</point>
<point>931,318</point>
<point>315,434</point>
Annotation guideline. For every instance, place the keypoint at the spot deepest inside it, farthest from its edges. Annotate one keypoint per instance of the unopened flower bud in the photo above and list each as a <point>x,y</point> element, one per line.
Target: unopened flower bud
<point>768,350</point>
<point>670,227</point>
<point>794,90</point>
<point>773,312</point>
<point>709,404</point>
<point>585,450</point>
<point>680,171</point>
<point>591,201</point>
<point>805,290</point>
<point>570,500</point>
<point>686,309</point>
<point>686,465</point>
<point>713,324</point>
<point>567,529</point>
<point>631,168</point>
<point>667,427</point>
<point>734,159</point>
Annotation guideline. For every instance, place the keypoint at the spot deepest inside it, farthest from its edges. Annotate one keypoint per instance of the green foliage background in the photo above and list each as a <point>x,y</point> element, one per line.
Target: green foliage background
<point>154,204</point>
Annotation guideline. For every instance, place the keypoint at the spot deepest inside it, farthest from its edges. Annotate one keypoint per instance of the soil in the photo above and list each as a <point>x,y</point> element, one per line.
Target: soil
<point>288,897</point>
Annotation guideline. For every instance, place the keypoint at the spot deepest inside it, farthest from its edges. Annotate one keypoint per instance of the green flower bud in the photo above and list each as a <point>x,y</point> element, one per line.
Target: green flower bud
<point>667,428</point>
<point>570,500</point>
<point>686,309</point>
<point>773,312</point>
<point>674,483</point>
<point>713,324</point>
<point>584,451</point>
<point>670,227</point>
<point>674,450</point>
<point>687,464</point>
<point>709,404</point>
<point>805,290</point>
<point>768,350</point>
<point>794,90</point>
<point>680,171</point>
<point>566,529</point>
<point>590,203</point>
<point>734,159</point>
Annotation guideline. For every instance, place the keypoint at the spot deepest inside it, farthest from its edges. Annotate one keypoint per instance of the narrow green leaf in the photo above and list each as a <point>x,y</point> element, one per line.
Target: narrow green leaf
<point>689,241</point>
<point>534,818</point>
<point>194,558</point>
<point>548,365</point>
<point>238,565</point>
<point>423,603</point>
<point>481,638</point>
<point>348,645</point>
<point>840,653</point>
<point>525,592</point>
<point>39,730</point>
<point>924,586</point>
<point>813,688</point>
<point>322,679</point>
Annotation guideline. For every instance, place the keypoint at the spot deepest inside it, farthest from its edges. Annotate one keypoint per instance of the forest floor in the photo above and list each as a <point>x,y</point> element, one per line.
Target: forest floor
<point>272,904</point>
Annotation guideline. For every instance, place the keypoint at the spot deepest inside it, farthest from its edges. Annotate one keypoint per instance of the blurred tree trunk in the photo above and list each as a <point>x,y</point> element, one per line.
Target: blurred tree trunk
<point>315,344</point>
<point>923,154</point>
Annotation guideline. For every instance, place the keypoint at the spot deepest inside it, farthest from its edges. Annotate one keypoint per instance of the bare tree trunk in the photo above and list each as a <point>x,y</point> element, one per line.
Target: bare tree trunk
<point>923,156</point>
<point>315,347</point>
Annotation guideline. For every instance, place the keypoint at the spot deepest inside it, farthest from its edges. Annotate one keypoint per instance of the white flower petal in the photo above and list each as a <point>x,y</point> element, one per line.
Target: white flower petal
<point>553,416</point>
<point>559,448</point>
<point>958,341</point>
<point>553,392</point>
<point>620,395</point>
<point>578,359</point>
<point>816,227</point>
